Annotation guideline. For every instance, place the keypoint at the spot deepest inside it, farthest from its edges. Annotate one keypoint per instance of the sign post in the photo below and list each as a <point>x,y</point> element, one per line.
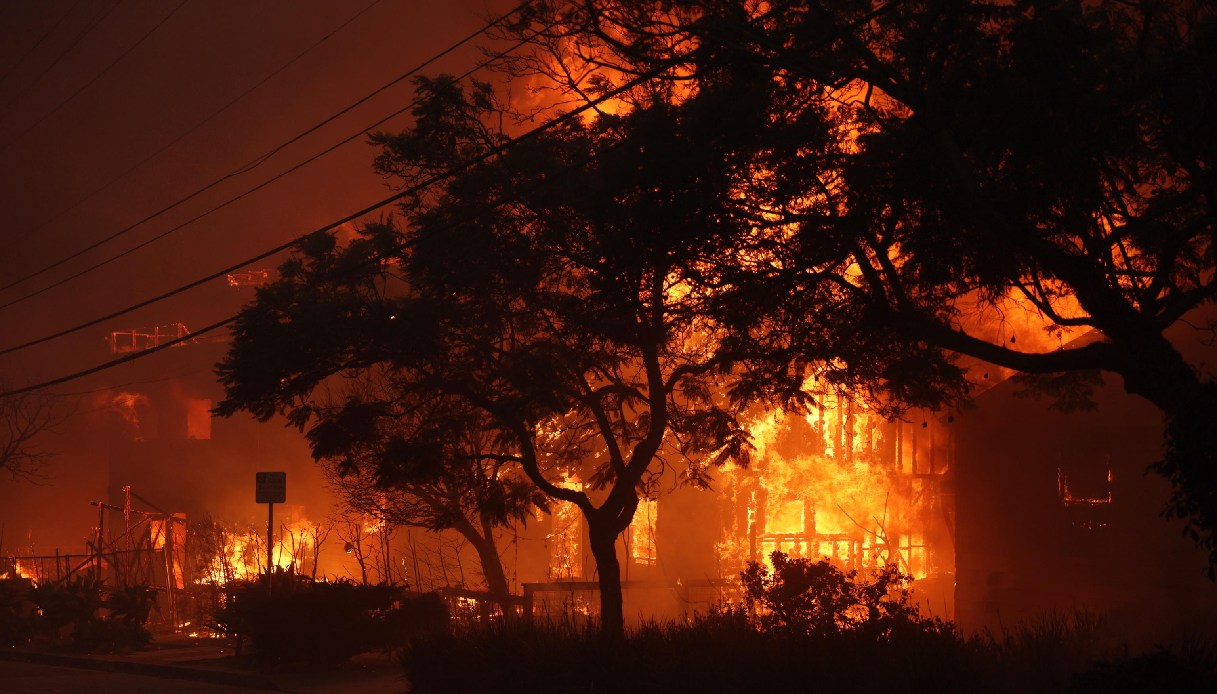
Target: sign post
<point>270,488</point>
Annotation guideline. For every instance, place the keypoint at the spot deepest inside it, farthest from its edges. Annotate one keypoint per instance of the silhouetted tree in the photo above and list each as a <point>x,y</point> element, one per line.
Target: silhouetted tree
<point>22,418</point>
<point>455,480</point>
<point>551,301</point>
<point>925,166</point>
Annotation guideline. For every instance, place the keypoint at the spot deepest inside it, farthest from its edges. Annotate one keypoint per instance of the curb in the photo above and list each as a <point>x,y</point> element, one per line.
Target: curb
<point>225,677</point>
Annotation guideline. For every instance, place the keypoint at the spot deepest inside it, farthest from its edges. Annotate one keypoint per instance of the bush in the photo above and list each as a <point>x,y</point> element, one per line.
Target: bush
<point>816,597</point>
<point>81,613</point>
<point>322,624</point>
<point>16,611</point>
<point>722,652</point>
<point>805,623</point>
<point>122,629</point>
<point>64,606</point>
<point>806,626</point>
<point>725,653</point>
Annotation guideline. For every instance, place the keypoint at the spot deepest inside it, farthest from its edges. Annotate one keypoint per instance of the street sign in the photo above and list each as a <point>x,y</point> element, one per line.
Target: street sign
<point>270,487</point>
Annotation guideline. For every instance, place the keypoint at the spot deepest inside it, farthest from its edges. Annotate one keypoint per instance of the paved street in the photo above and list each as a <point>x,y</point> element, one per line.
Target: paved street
<point>29,678</point>
<point>187,666</point>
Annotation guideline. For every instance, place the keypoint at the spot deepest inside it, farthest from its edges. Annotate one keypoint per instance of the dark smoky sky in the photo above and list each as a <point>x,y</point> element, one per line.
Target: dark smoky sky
<point>106,116</point>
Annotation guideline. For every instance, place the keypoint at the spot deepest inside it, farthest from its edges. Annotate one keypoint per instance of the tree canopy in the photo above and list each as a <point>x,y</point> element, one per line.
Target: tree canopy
<point>848,190</point>
<point>553,299</point>
<point>928,169</point>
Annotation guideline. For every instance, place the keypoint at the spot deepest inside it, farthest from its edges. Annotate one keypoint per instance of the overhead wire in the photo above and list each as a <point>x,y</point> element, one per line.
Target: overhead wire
<point>62,54</point>
<point>245,168</point>
<point>286,245</point>
<point>426,183</point>
<point>216,208</point>
<point>130,49</point>
<point>128,384</point>
<point>38,42</point>
<point>64,211</point>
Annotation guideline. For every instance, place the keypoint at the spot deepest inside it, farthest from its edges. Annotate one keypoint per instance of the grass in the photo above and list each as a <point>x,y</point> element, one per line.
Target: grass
<point>725,652</point>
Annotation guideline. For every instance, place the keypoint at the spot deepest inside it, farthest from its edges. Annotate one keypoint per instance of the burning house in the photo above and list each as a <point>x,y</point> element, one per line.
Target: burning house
<point>1001,513</point>
<point>838,482</point>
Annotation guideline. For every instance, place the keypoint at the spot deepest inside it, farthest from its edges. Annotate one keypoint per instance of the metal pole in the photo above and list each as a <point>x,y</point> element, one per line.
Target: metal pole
<point>270,539</point>
<point>101,538</point>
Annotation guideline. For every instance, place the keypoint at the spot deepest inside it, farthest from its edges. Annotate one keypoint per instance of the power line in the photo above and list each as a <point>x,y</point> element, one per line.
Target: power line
<point>422,185</point>
<point>62,54</point>
<point>240,170</point>
<point>95,78</point>
<point>67,210</point>
<point>226,203</point>
<point>432,180</point>
<point>128,384</point>
<point>34,46</point>
<point>121,360</point>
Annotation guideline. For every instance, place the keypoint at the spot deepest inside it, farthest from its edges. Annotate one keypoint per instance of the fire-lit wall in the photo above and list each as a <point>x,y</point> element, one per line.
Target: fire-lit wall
<point>1057,514</point>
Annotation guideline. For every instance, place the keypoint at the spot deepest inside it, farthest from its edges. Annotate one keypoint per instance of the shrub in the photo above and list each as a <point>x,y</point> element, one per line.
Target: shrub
<point>82,613</point>
<point>122,629</point>
<point>816,597</point>
<point>16,611</point>
<point>320,624</point>
<point>722,652</point>
<point>67,605</point>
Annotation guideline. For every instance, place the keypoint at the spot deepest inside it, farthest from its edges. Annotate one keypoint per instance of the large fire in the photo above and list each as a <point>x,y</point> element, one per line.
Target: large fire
<point>19,571</point>
<point>841,483</point>
<point>242,554</point>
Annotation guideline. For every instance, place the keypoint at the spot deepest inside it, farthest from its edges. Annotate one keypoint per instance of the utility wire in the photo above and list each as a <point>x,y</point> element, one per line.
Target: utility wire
<point>121,360</point>
<point>33,47</point>
<point>240,170</point>
<point>128,384</point>
<point>284,246</point>
<point>65,211</point>
<point>95,78</point>
<point>212,210</point>
<point>432,180</point>
<point>62,54</point>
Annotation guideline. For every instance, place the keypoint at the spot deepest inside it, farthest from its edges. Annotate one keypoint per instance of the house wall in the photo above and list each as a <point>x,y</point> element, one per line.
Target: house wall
<point>1026,550</point>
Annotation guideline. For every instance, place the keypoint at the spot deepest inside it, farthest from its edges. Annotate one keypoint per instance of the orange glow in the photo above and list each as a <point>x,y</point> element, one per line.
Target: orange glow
<point>642,543</point>
<point>243,554</point>
<point>565,537</point>
<point>1068,497</point>
<point>840,483</point>
<point>19,571</point>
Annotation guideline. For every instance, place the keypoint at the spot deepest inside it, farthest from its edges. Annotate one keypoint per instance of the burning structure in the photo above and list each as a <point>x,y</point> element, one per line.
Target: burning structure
<point>1000,513</point>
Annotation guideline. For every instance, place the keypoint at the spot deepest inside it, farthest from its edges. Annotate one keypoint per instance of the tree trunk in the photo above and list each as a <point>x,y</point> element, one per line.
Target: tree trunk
<point>492,569</point>
<point>603,538</point>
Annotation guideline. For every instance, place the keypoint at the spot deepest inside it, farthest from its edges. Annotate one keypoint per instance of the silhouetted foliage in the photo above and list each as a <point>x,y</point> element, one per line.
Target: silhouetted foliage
<point>321,624</point>
<point>80,612</point>
<point>549,304</point>
<point>724,653</point>
<point>922,170</point>
<point>22,418</point>
<point>16,611</point>
<point>817,597</point>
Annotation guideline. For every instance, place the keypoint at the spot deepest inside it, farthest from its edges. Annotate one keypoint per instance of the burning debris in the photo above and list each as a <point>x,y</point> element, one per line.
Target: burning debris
<point>249,278</point>
<point>140,339</point>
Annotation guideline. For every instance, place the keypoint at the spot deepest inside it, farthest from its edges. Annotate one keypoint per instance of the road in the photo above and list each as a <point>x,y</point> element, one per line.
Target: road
<point>28,678</point>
